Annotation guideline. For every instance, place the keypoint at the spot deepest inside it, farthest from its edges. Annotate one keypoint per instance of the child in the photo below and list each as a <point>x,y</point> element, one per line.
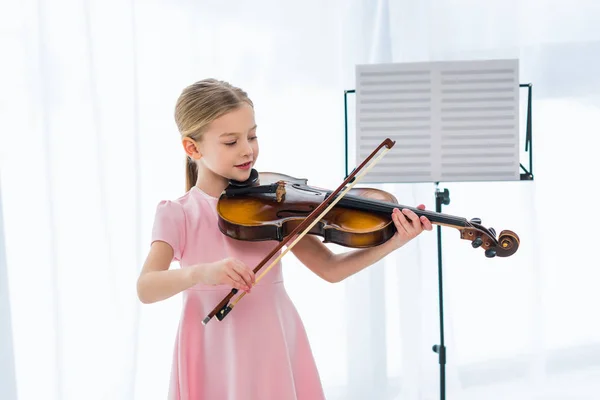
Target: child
<point>260,351</point>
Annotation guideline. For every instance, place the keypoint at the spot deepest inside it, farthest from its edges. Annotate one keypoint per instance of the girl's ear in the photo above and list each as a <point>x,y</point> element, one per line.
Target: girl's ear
<point>191,148</point>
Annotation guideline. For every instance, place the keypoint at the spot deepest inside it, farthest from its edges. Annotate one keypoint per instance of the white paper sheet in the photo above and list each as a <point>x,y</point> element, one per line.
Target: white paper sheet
<point>452,121</point>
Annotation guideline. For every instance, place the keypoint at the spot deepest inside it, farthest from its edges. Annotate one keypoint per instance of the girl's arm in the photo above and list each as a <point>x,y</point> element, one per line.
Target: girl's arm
<point>157,282</point>
<point>337,267</point>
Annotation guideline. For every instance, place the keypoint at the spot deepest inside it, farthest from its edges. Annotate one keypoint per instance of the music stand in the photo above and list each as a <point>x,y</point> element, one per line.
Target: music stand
<point>422,79</point>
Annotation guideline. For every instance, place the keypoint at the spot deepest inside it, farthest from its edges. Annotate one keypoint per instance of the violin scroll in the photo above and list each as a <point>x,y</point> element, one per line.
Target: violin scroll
<point>505,245</point>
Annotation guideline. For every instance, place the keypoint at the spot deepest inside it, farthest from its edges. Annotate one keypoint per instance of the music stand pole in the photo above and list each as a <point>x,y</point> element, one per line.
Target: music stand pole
<point>441,197</point>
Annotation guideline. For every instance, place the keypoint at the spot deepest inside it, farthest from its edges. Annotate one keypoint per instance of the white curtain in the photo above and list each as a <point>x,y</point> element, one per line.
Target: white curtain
<point>7,368</point>
<point>522,327</point>
<point>88,146</point>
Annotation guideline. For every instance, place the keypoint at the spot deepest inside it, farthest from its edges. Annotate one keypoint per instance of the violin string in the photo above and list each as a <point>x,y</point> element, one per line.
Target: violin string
<point>459,221</point>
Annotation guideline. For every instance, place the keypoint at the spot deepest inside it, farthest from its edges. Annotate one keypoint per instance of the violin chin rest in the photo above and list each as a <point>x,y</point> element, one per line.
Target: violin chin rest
<point>248,182</point>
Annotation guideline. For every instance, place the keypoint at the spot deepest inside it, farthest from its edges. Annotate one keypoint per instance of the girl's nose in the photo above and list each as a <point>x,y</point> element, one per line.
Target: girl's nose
<point>247,149</point>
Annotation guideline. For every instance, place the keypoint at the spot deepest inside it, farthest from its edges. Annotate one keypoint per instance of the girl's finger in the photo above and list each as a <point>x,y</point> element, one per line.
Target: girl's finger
<point>236,280</point>
<point>414,218</point>
<point>243,273</point>
<point>250,272</point>
<point>426,223</point>
<point>400,221</point>
<point>234,284</point>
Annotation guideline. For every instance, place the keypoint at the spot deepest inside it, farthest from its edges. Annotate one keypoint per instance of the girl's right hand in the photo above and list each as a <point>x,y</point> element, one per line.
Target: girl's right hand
<point>229,271</point>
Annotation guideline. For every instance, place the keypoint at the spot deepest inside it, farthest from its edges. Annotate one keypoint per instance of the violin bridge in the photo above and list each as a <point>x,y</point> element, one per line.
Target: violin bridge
<point>280,191</point>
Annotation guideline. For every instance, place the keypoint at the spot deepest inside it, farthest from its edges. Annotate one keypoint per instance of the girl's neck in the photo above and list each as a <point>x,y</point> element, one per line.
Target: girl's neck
<point>209,182</point>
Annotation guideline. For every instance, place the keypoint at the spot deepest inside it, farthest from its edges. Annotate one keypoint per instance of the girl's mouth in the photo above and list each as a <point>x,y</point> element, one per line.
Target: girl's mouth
<point>245,165</point>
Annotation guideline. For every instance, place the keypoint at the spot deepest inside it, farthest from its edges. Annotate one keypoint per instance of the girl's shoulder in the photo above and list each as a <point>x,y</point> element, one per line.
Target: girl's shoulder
<point>177,208</point>
<point>174,216</point>
<point>190,205</point>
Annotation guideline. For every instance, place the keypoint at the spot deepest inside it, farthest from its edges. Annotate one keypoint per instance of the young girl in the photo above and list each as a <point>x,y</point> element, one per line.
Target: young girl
<point>260,351</point>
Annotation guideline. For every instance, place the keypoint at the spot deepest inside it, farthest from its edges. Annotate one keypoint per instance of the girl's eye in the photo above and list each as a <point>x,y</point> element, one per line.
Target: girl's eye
<point>253,138</point>
<point>230,143</point>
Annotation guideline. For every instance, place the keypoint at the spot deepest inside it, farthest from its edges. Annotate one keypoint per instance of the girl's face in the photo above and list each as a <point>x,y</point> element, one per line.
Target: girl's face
<point>229,147</point>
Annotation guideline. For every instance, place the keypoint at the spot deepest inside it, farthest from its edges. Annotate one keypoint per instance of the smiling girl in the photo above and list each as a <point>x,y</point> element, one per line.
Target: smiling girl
<point>260,352</point>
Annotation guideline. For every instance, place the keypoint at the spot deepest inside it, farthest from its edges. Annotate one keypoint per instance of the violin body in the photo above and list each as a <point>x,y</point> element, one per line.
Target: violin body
<point>257,217</point>
<point>269,206</point>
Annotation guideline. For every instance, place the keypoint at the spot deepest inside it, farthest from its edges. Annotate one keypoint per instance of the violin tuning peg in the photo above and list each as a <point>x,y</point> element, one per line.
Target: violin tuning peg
<point>477,242</point>
<point>476,220</point>
<point>490,253</point>
<point>492,231</point>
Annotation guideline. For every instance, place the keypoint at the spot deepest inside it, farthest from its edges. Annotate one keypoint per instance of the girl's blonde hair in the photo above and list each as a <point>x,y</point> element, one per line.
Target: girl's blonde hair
<point>198,105</point>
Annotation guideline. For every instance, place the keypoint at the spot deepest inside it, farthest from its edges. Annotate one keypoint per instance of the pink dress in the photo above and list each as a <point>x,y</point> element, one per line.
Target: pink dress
<point>260,351</point>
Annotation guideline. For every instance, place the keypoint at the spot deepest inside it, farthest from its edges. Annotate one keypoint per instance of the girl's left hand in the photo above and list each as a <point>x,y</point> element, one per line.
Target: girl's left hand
<point>409,225</point>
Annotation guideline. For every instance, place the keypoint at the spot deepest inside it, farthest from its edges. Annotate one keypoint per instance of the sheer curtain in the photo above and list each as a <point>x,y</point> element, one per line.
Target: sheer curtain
<point>88,146</point>
<point>521,327</point>
<point>7,368</point>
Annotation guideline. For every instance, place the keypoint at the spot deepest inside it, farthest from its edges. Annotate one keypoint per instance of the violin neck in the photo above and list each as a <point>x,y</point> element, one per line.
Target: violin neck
<point>365,204</point>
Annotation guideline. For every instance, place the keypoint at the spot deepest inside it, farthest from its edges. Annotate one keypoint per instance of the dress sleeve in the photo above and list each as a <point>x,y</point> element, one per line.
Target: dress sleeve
<point>169,226</point>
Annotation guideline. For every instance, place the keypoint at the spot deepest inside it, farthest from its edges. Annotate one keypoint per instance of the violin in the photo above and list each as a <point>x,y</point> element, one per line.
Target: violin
<point>275,206</point>
<point>268,206</point>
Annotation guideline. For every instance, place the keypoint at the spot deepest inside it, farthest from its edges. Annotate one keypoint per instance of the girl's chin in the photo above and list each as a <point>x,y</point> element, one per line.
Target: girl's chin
<point>241,174</point>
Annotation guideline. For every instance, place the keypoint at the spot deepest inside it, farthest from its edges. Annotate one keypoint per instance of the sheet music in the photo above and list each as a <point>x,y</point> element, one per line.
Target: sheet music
<point>452,121</point>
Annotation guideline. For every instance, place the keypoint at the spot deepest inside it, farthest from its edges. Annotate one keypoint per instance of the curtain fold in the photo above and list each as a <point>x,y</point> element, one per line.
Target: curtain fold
<point>8,386</point>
